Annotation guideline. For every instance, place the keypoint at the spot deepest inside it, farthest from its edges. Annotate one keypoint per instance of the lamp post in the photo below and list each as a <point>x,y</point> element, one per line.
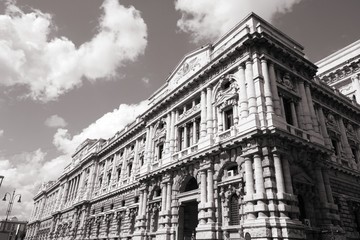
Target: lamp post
<point>11,202</point>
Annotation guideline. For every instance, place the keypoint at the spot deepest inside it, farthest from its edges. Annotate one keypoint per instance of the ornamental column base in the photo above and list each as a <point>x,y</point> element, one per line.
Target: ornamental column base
<point>274,228</point>
<point>163,234</point>
<point>206,231</point>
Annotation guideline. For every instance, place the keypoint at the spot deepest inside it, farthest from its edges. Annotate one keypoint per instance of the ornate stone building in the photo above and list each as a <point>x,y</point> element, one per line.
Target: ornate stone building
<point>243,141</point>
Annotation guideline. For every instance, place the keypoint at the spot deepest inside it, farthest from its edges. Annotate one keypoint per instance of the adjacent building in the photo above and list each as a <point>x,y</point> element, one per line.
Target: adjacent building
<point>243,141</point>
<point>12,229</point>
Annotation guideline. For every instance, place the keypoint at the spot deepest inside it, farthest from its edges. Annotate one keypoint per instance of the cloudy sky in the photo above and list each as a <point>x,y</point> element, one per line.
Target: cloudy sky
<point>77,69</point>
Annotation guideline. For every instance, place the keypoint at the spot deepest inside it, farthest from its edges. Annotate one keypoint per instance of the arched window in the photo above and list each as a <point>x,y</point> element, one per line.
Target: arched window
<point>234,210</point>
<point>191,185</point>
<point>232,171</point>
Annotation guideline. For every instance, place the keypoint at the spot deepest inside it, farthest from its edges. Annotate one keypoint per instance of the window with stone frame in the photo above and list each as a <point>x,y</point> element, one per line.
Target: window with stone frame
<point>234,214</point>
<point>354,149</point>
<point>118,173</point>
<point>108,178</point>
<point>228,118</point>
<point>160,149</point>
<point>129,169</point>
<point>335,141</point>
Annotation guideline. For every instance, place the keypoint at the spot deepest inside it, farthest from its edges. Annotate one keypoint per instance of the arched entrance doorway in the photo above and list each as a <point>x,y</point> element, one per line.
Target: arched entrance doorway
<point>188,210</point>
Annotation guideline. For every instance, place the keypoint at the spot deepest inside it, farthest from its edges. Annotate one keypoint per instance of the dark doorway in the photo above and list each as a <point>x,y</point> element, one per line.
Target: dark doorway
<point>188,220</point>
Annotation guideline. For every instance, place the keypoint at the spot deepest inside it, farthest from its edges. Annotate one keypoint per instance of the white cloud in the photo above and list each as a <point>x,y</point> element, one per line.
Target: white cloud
<point>209,19</point>
<point>1,132</point>
<point>55,121</point>
<point>25,172</point>
<point>48,67</point>
<point>105,127</point>
<point>145,80</point>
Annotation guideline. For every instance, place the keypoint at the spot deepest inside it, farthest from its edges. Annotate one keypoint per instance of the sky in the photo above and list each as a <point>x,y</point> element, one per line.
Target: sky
<point>77,69</point>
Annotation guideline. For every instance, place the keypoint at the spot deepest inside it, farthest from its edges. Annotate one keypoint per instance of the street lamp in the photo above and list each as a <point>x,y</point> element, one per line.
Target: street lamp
<point>11,202</point>
<point>1,179</point>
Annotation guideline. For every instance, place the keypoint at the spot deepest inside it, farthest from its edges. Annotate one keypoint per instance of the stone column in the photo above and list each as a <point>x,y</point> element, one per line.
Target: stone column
<point>279,176</point>
<point>194,131</point>
<point>203,187</point>
<point>243,99</point>
<point>259,183</point>
<point>168,196</point>
<point>293,114</point>
<point>345,141</point>
<point>305,106</point>
<point>320,185</point>
<point>323,127</point>
<point>141,200</point>
<point>311,107</point>
<point>176,131</point>
<point>210,186</point>
<point>249,186</point>
<point>267,87</point>
<point>70,190</point>
<point>250,88</point>
<point>203,114</point>
<point>144,201</point>
<point>168,129</point>
<point>209,114</point>
<point>172,132</point>
<point>287,176</point>
<point>220,120</point>
<point>163,197</point>
<point>274,90</point>
<point>327,185</point>
<point>236,114</point>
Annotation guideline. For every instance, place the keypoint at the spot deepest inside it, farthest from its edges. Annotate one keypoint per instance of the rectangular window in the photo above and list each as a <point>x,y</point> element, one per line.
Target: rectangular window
<point>287,110</point>
<point>160,149</point>
<point>189,134</point>
<point>181,137</point>
<point>229,118</point>
<point>354,152</point>
<point>197,129</point>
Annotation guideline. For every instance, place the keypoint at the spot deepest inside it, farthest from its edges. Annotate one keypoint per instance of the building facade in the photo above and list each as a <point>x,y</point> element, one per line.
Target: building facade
<point>243,141</point>
<point>12,229</point>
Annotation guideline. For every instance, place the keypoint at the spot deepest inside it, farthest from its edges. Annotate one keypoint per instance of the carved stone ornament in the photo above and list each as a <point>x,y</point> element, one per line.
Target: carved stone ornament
<point>287,82</point>
<point>227,88</point>
<point>330,119</point>
<point>350,129</point>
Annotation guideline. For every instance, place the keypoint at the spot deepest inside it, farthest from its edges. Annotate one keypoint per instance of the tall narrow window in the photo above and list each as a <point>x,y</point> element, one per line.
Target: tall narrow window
<point>100,181</point>
<point>229,118</point>
<point>197,129</point>
<point>160,150</point>
<point>302,208</point>
<point>129,169</point>
<point>119,173</point>
<point>354,152</point>
<point>287,110</point>
<point>335,145</point>
<point>234,210</point>
<point>109,178</point>
<point>181,139</point>
<point>188,135</point>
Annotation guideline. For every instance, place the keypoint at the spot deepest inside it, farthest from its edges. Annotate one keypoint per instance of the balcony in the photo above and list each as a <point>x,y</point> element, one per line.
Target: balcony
<point>185,152</point>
